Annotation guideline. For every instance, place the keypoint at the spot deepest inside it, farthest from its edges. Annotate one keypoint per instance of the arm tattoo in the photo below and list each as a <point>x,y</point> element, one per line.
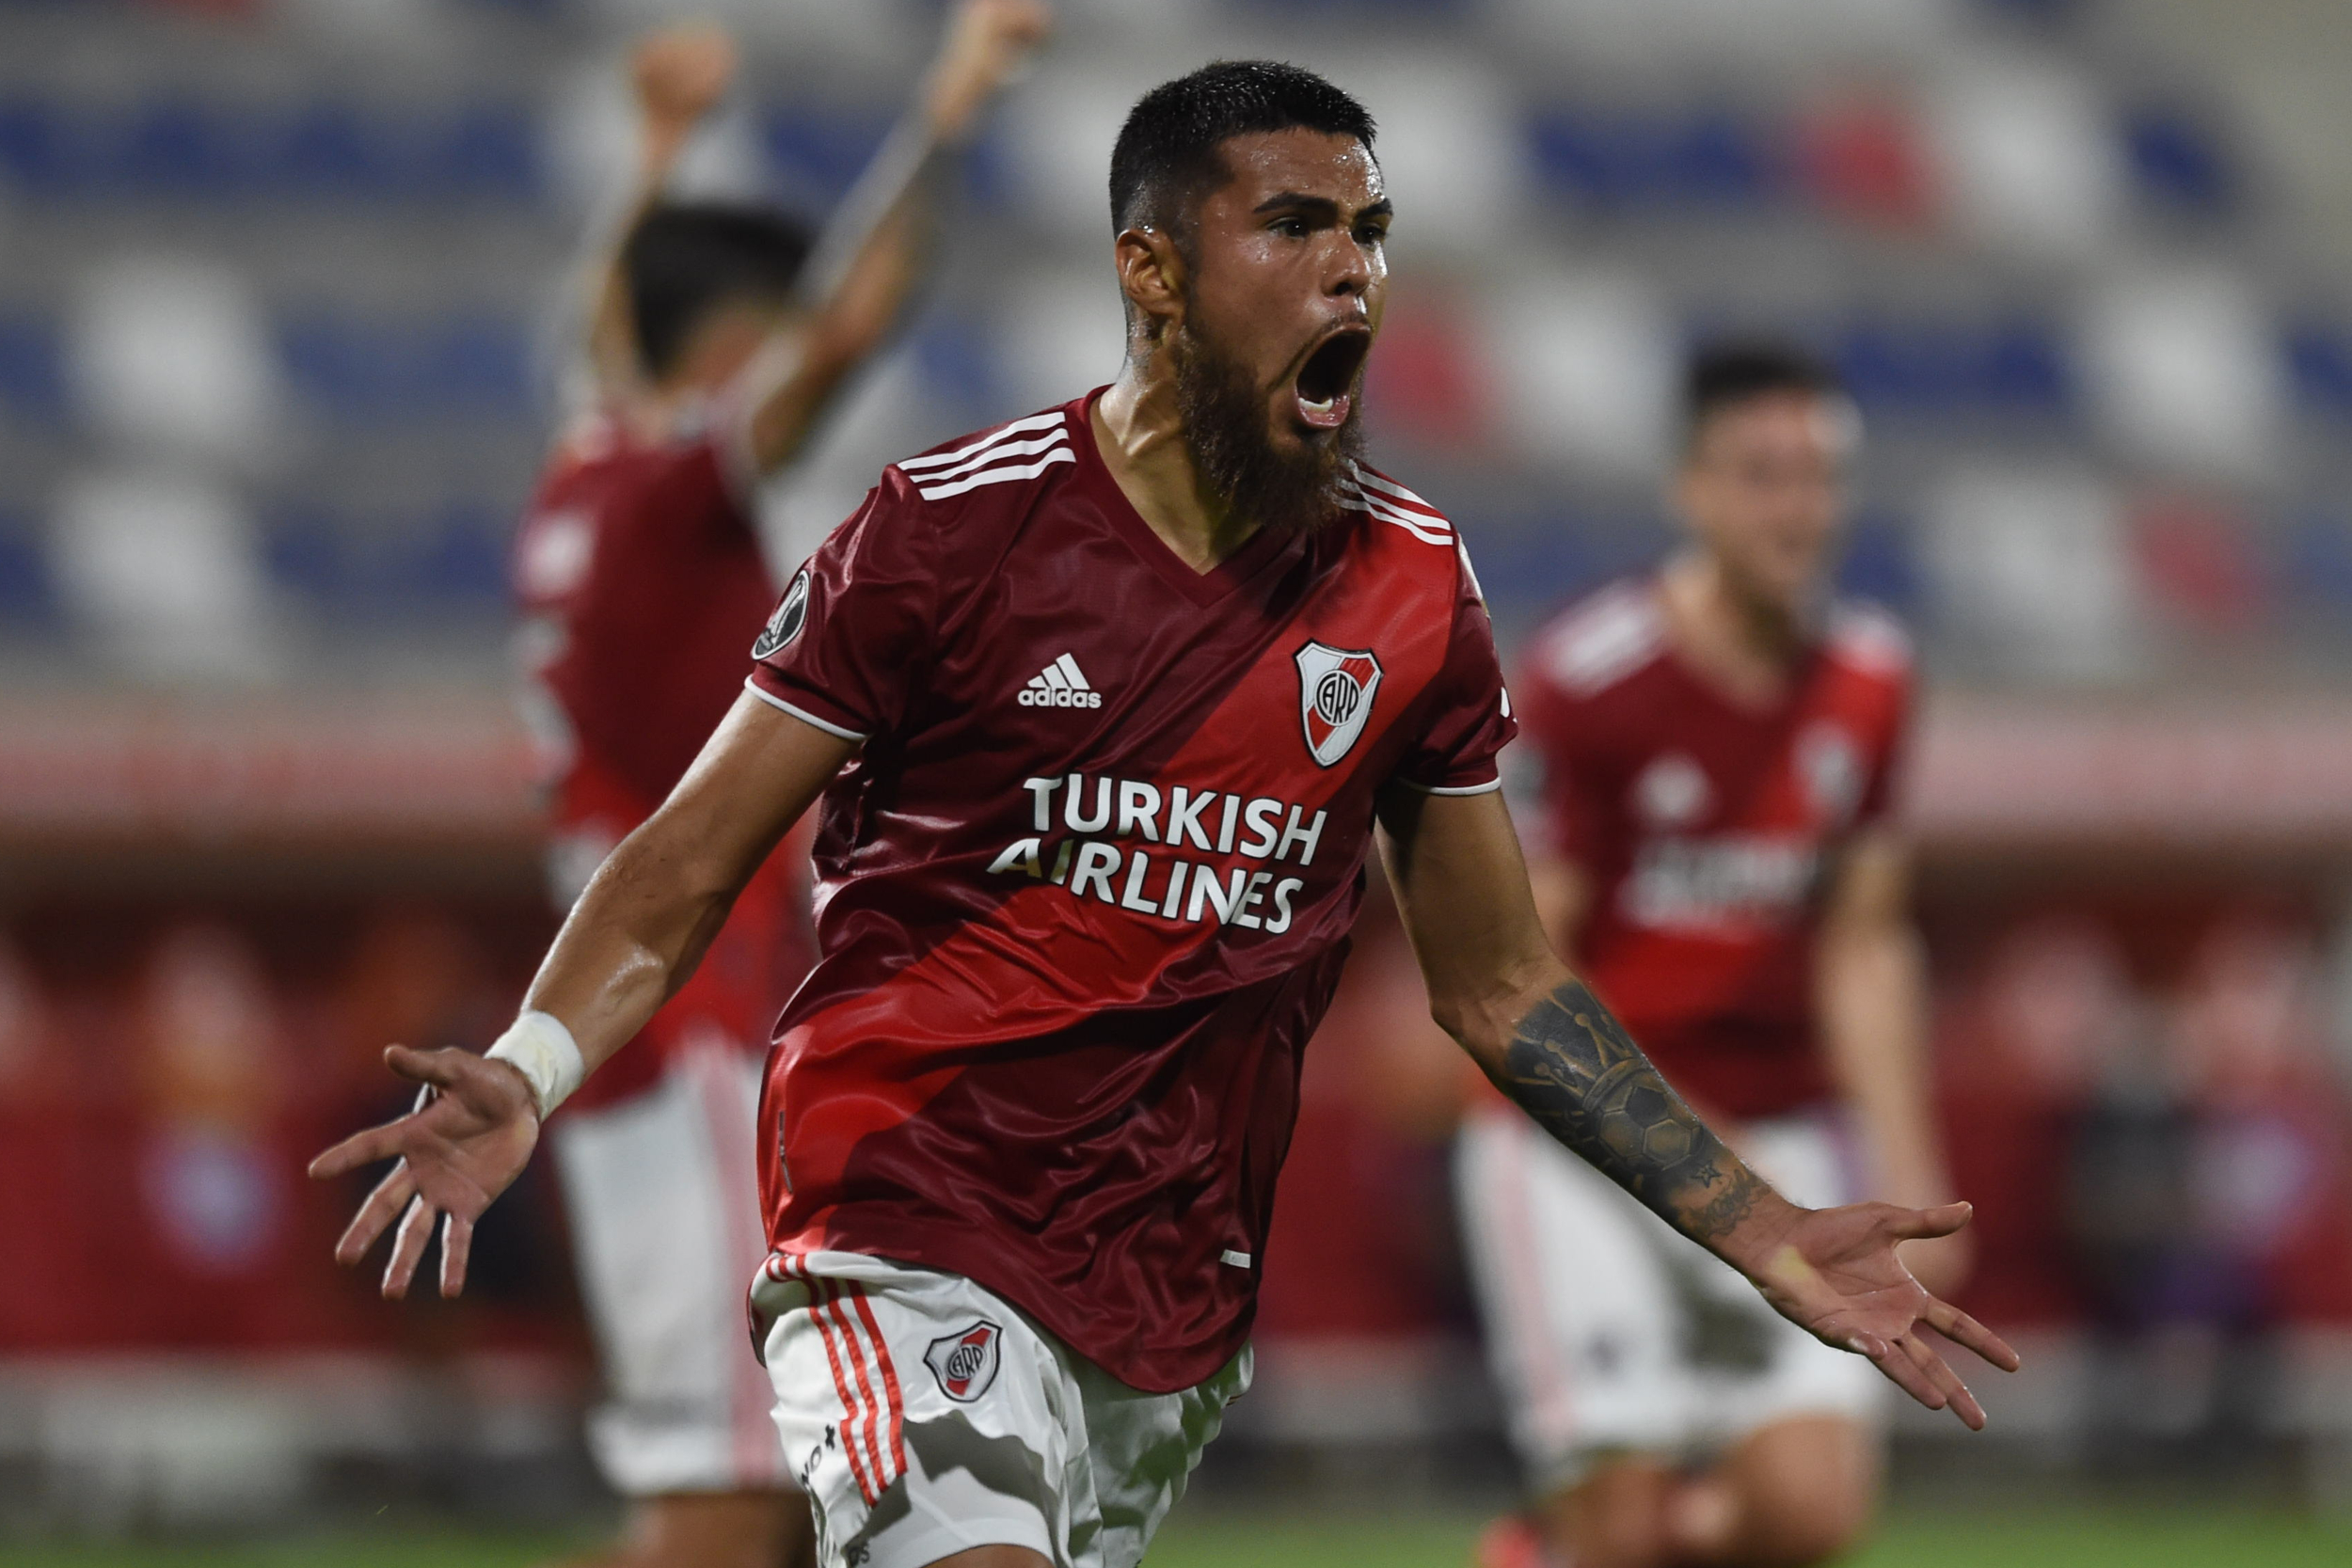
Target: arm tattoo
<point>1572,1067</point>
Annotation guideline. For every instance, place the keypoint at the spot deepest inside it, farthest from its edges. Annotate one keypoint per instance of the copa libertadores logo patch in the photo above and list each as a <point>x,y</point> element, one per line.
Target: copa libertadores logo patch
<point>964,1362</point>
<point>1335,692</point>
<point>784,624</point>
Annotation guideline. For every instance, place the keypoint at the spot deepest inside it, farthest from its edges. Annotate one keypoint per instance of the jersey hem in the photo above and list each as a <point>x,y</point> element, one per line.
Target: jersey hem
<point>805,716</point>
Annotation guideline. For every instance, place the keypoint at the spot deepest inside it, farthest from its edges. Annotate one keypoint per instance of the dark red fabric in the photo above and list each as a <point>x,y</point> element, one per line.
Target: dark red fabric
<point>1048,1083</point>
<point>1701,921</point>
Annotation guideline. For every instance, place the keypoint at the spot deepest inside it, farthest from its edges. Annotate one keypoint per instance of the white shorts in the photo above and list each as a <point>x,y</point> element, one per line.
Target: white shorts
<point>924,1416</point>
<point>1610,1334</point>
<point>663,1199</point>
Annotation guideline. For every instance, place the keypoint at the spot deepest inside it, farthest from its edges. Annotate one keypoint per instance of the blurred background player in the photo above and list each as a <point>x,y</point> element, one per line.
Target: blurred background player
<point>708,363</point>
<point>1717,745</point>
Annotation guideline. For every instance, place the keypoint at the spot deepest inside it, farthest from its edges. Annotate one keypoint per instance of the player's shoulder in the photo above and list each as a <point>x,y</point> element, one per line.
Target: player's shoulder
<point>1867,639</point>
<point>1002,463</point>
<point>1602,639</point>
<point>1384,501</point>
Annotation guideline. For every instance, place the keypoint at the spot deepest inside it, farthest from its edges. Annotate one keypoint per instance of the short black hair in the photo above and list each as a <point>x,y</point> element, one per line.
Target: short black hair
<point>1725,373</point>
<point>685,260</point>
<point>1165,157</point>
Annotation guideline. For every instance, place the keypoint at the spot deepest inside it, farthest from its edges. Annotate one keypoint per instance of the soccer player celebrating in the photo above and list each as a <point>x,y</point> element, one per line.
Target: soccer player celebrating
<point>1717,745</point>
<point>1105,704</point>
<point>639,567</point>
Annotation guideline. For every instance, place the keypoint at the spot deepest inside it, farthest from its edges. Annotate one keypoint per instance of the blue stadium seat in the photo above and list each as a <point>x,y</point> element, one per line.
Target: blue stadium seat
<point>342,370</point>
<point>2319,366</point>
<point>486,151</point>
<point>1878,563</point>
<point>2316,561</point>
<point>472,365</point>
<point>1937,368</point>
<point>181,148</point>
<point>37,149</point>
<point>328,149</point>
<point>461,562</point>
<point>1710,159</point>
<point>304,549</point>
<point>26,598</point>
<point>817,157</point>
<point>32,370</point>
<point>2178,162</point>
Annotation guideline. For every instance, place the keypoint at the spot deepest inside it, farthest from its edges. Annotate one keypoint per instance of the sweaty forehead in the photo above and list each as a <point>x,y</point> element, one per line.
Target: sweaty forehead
<point>1264,164</point>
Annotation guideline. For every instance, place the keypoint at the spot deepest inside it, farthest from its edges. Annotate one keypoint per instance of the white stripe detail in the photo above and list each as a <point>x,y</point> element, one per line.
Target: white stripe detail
<point>1000,476</point>
<point>1068,667</point>
<point>1488,788</point>
<point>1051,678</point>
<point>1239,1260</point>
<point>940,460</point>
<point>1046,442</point>
<point>1423,529</point>
<point>1389,487</point>
<point>806,717</point>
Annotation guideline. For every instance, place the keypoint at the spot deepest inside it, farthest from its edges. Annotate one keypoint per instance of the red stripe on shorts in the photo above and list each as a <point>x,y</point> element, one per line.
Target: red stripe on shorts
<point>865,1486</point>
<point>857,1367</point>
<point>890,1379</point>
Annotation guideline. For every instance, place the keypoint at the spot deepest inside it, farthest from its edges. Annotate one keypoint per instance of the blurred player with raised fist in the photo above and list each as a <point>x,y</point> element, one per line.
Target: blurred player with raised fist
<point>1718,745</point>
<point>716,337</point>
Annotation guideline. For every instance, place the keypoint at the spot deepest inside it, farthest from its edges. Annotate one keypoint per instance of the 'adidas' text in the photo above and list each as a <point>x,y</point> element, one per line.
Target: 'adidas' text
<point>1061,684</point>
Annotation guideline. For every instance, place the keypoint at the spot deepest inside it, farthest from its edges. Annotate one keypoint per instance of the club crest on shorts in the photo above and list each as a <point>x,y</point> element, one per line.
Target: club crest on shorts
<point>964,1362</point>
<point>1335,692</point>
<point>784,624</point>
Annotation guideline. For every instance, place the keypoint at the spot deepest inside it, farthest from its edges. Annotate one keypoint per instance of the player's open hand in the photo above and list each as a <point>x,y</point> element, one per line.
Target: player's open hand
<point>1834,1274</point>
<point>986,43</point>
<point>465,1143</point>
<point>680,75</point>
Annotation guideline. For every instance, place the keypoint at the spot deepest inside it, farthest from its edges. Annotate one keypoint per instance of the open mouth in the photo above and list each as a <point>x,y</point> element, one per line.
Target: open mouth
<point>1326,385</point>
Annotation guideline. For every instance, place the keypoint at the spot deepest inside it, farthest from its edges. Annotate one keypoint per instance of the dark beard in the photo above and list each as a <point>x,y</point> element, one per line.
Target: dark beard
<point>1225,427</point>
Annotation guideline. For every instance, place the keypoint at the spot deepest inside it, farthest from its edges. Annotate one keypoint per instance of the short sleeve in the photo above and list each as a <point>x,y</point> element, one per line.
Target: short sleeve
<point>1470,718</point>
<point>852,633</point>
<point>1563,778</point>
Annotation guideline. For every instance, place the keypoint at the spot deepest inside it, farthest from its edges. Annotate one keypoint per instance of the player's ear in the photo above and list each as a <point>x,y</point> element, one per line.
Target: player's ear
<point>1152,276</point>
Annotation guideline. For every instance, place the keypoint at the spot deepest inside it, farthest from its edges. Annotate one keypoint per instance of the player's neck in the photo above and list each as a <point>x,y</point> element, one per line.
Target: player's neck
<point>1745,646</point>
<point>1141,438</point>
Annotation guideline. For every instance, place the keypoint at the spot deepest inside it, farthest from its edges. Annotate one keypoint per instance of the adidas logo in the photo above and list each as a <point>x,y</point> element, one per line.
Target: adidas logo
<point>1061,684</point>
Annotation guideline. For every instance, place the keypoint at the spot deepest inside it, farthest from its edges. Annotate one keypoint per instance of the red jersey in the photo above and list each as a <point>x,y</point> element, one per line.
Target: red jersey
<point>640,574</point>
<point>1086,890</point>
<point>1706,828</point>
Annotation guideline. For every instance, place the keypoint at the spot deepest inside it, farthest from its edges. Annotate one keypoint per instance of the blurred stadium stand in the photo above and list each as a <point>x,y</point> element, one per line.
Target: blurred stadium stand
<point>278,280</point>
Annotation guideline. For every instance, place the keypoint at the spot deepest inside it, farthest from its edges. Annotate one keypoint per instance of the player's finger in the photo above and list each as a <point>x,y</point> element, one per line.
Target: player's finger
<point>1962,1329</point>
<point>456,1245</point>
<point>416,1228</point>
<point>376,1212</point>
<point>1905,1374</point>
<point>443,1070</point>
<point>361,1148</point>
<point>1919,1225</point>
<point>1946,1382</point>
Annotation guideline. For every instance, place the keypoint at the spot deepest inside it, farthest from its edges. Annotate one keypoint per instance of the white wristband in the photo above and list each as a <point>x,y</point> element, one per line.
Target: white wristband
<point>543,1051</point>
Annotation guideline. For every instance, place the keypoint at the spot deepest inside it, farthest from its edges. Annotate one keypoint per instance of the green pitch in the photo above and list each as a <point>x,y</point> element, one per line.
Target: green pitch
<point>2029,1538</point>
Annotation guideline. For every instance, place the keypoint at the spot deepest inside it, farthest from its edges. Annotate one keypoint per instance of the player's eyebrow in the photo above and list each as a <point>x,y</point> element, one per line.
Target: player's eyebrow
<point>1321,208</point>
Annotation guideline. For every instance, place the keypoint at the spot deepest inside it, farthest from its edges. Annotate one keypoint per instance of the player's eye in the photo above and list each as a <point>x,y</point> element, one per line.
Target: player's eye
<point>1372,233</point>
<point>1290,228</point>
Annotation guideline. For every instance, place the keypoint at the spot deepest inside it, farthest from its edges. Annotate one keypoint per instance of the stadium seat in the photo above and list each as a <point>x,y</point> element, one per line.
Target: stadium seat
<point>32,375</point>
<point>2178,163</point>
<point>328,149</point>
<point>180,149</point>
<point>2183,373</point>
<point>817,157</point>
<point>26,599</point>
<point>36,149</point>
<point>1710,159</point>
<point>2319,367</point>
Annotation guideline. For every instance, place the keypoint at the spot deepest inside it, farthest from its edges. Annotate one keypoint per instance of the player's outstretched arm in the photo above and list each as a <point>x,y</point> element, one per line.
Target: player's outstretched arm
<point>876,251</point>
<point>630,942</point>
<point>1548,1043</point>
<point>678,74</point>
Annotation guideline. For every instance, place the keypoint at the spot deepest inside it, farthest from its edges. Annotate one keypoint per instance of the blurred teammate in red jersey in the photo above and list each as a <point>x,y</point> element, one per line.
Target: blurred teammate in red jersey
<point>1105,704</point>
<point>1718,744</point>
<point>641,576</point>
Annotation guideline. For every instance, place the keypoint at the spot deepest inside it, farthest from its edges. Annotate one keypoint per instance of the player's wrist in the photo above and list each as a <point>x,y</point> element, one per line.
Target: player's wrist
<point>538,1046</point>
